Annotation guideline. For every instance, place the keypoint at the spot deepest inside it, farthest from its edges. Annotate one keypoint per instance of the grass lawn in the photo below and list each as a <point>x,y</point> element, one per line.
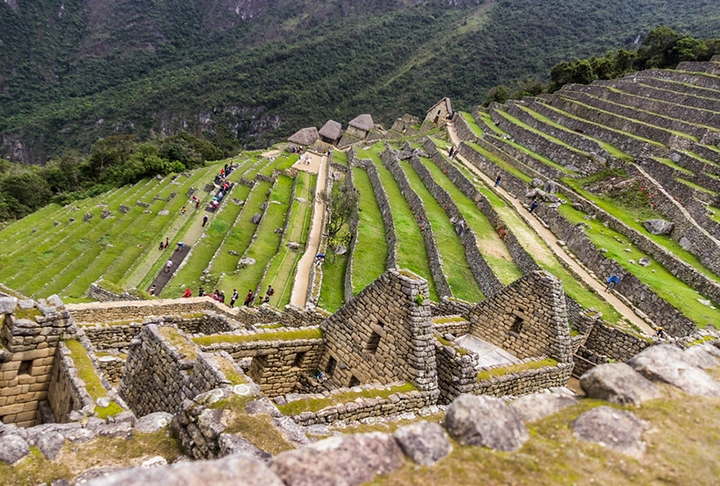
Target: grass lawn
<point>339,157</point>
<point>500,162</point>
<point>655,276</point>
<point>266,241</point>
<point>633,216</point>
<point>491,246</point>
<point>411,253</point>
<point>282,267</point>
<point>371,251</point>
<point>454,260</point>
<point>472,123</point>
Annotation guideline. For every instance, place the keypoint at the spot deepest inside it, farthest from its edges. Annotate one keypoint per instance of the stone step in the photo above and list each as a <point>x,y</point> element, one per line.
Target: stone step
<point>661,117</point>
<point>699,67</point>
<point>677,85</point>
<point>587,144</point>
<point>544,145</point>
<point>650,99</point>
<point>612,120</point>
<point>624,141</point>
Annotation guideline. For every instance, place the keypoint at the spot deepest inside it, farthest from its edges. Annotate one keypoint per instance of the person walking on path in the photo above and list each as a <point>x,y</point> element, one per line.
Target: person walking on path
<point>167,243</point>
<point>168,266</point>
<point>152,290</point>
<point>612,281</point>
<point>183,210</point>
<point>533,206</point>
<point>249,298</point>
<point>205,218</point>
<point>497,180</point>
<point>188,293</point>
<point>222,297</point>
<point>233,298</point>
<point>270,292</point>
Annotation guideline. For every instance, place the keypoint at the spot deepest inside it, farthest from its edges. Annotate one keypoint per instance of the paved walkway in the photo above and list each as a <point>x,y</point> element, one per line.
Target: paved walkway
<point>551,240</point>
<point>302,276</point>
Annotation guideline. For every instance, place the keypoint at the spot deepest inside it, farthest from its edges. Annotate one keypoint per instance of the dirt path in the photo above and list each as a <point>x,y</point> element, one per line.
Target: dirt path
<point>551,240</point>
<point>302,276</point>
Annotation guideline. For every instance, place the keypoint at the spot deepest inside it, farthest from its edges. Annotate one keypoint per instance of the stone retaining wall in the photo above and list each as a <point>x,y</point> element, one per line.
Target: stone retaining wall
<point>524,382</point>
<point>484,276</point>
<point>277,365</point>
<point>66,390</point>
<point>112,367</point>
<point>391,162</point>
<point>384,204</point>
<point>103,295</point>
<point>159,377</point>
<point>631,287</point>
<point>368,407</point>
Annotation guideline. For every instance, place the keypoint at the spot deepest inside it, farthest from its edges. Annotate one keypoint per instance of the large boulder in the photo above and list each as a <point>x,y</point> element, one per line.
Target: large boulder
<point>50,444</point>
<point>618,383</point>
<point>665,363</point>
<point>7,305</point>
<point>658,226</point>
<point>229,471</point>
<point>13,448</point>
<point>485,421</point>
<point>535,406</point>
<point>612,428</point>
<point>424,442</point>
<point>234,444</point>
<point>153,422</point>
<point>699,356</point>
<point>344,460</point>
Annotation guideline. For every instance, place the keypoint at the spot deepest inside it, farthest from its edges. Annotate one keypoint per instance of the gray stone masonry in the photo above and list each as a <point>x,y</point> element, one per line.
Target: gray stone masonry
<point>392,163</point>
<point>384,204</point>
<point>528,318</point>
<point>27,355</point>
<point>383,335</point>
<point>159,376</point>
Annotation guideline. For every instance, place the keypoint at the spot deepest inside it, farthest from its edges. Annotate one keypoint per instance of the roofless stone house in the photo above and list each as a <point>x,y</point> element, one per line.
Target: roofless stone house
<point>388,341</point>
<point>440,112</point>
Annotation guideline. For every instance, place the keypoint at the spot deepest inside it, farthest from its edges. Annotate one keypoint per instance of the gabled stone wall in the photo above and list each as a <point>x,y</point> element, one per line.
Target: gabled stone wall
<point>383,335</point>
<point>528,318</point>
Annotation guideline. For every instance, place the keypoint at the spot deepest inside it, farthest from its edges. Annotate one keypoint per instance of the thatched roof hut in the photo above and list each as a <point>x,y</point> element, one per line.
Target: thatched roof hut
<point>362,122</point>
<point>331,132</point>
<point>304,136</point>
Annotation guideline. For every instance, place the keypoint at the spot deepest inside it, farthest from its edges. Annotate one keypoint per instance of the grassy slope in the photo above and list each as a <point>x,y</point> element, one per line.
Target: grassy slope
<point>409,239</point>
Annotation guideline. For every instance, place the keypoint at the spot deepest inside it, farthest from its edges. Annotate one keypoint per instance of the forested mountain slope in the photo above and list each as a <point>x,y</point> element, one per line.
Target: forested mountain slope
<point>251,72</point>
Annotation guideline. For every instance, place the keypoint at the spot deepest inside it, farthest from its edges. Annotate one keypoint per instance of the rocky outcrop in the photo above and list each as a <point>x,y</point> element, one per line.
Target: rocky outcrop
<point>618,383</point>
<point>612,428</point>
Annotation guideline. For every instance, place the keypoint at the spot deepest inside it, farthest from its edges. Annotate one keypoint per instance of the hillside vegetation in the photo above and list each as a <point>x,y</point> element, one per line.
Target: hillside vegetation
<point>74,73</point>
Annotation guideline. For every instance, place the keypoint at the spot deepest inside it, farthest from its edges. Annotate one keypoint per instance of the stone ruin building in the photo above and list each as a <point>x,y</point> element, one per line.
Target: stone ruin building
<point>387,351</point>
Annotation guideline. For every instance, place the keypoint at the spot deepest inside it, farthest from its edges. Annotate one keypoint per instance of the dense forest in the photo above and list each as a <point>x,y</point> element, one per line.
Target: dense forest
<point>75,71</point>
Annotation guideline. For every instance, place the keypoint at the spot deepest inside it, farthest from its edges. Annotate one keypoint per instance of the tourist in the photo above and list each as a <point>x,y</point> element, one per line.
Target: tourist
<point>233,298</point>
<point>167,243</point>
<point>152,290</point>
<point>180,245</point>
<point>168,266</point>
<point>216,295</point>
<point>201,292</point>
<point>249,298</point>
<point>162,245</point>
<point>659,333</point>
<point>188,293</point>
<point>533,206</point>
<point>183,210</point>
<point>497,180</point>
<point>197,204</point>
<point>319,258</point>
<point>221,297</point>
<point>270,292</point>
<point>205,219</point>
<point>611,281</point>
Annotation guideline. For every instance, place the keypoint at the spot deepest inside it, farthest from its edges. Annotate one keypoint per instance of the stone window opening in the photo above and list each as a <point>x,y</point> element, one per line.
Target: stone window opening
<point>517,325</point>
<point>353,382</point>
<point>373,343</point>
<point>299,357</point>
<point>330,368</point>
<point>25,367</point>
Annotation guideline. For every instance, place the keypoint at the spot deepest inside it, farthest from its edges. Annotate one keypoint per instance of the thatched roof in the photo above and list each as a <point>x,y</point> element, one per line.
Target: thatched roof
<point>363,122</point>
<point>331,130</point>
<point>304,136</point>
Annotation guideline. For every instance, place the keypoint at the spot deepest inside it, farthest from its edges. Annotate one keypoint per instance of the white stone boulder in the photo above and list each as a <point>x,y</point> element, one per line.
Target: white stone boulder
<point>618,383</point>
